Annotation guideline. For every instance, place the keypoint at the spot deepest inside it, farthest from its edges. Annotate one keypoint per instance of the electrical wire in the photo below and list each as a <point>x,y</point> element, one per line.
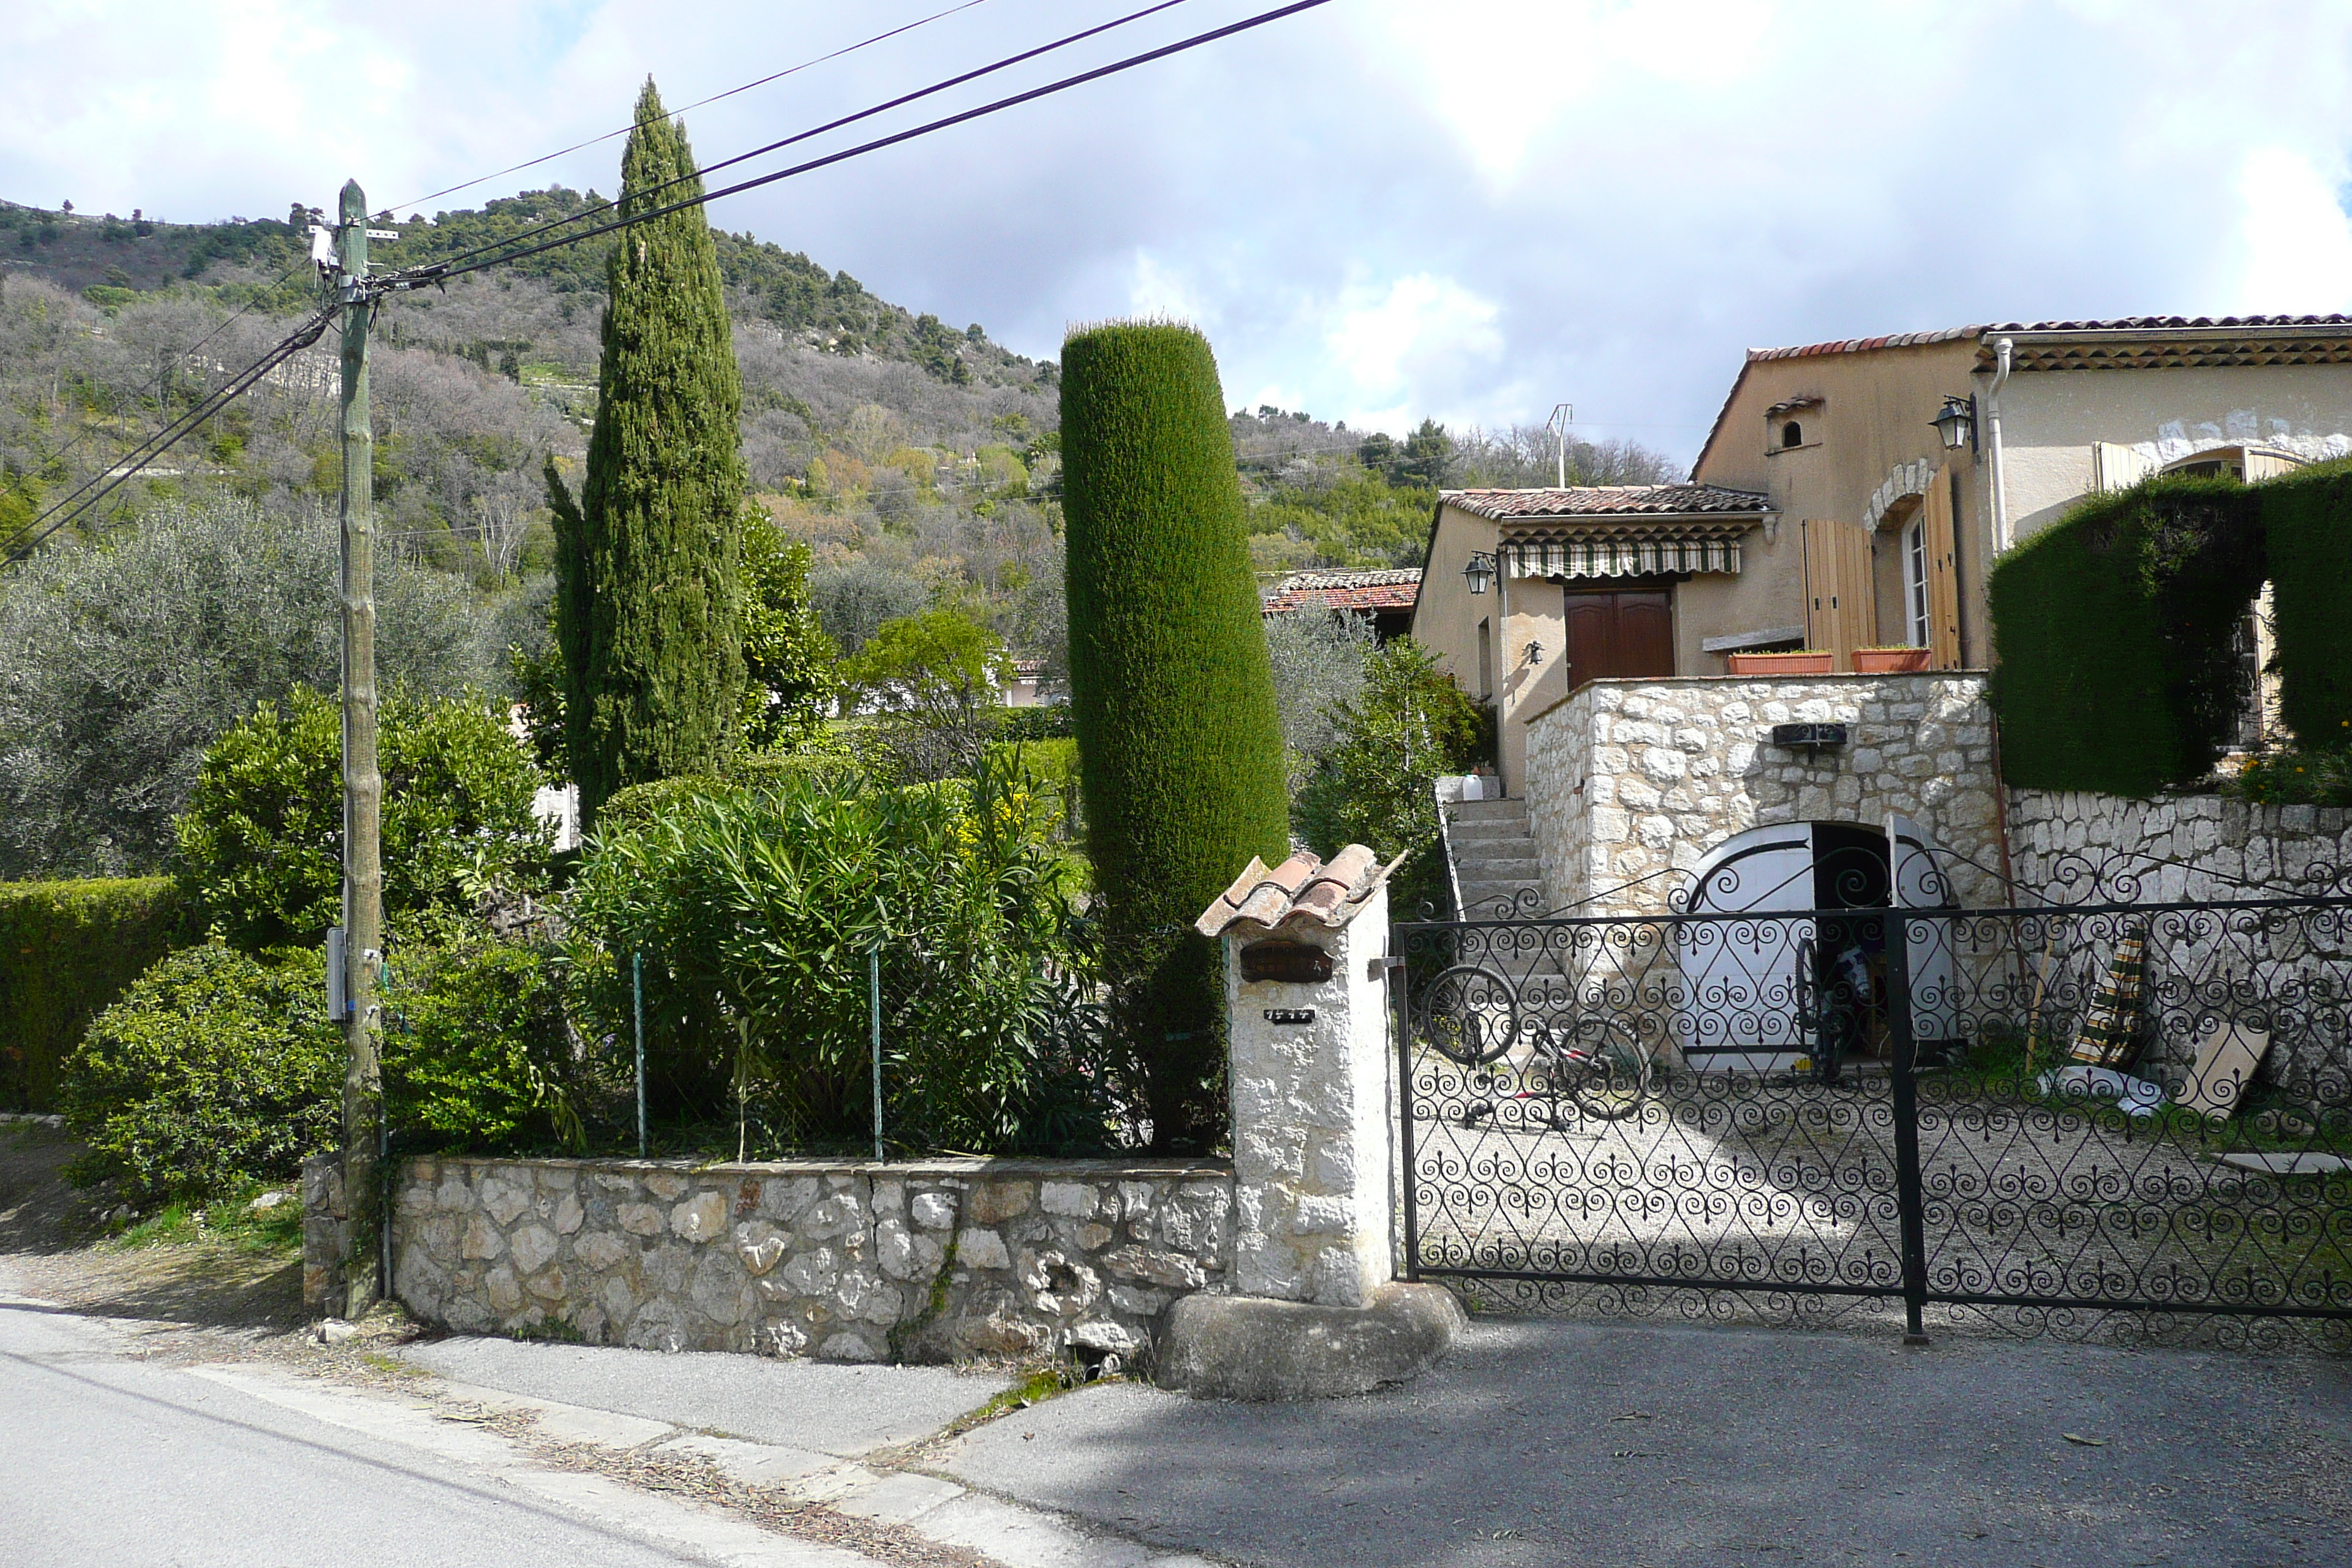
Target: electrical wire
<point>792,70</point>
<point>451,263</point>
<point>99,486</point>
<point>441,270</point>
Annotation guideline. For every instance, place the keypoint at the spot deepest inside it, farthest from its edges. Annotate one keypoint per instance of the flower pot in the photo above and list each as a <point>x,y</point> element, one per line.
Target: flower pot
<point>1812,661</point>
<point>1889,661</point>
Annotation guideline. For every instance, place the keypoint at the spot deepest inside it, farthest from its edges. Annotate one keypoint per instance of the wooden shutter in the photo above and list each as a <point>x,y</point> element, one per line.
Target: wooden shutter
<point>1840,609</point>
<point>1943,574</point>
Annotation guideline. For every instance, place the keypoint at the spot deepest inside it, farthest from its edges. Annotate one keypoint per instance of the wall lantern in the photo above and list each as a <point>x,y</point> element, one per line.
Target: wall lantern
<point>1480,572</point>
<point>1956,423</point>
<point>1535,653</point>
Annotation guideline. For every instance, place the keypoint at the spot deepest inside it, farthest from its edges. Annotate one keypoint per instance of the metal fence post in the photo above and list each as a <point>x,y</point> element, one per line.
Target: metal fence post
<point>1399,981</point>
<point>638,988</point>
<point>873,995</point>
<point>1907,1194</point>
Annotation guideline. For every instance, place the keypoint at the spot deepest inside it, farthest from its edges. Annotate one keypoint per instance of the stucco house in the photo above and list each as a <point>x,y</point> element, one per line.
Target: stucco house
<point>1854,494</point>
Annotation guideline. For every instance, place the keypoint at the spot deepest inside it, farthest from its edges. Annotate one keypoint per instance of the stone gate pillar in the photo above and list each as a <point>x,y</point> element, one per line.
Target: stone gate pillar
<point>1315,1309</point>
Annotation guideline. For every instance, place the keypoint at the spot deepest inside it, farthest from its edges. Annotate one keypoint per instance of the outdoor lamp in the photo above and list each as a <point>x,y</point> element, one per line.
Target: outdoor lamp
<point>1480,572</point>
<point>1535,653</point>
<point>1957,422</point>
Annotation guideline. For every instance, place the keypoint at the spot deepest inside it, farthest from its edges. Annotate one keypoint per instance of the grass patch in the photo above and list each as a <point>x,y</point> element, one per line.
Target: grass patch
<point>1041,1384</point>
<point>231,1222</point>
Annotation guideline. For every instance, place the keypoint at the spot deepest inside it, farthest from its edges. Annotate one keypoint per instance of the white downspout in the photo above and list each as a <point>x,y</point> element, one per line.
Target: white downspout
<point>2002,350</point>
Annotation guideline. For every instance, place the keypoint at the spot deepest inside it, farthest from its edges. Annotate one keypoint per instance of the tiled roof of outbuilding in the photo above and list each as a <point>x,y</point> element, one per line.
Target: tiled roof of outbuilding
<point>1607,501</point>
<point>1995,329</point>
<point>1361,592</point>
<point>1302,891</point>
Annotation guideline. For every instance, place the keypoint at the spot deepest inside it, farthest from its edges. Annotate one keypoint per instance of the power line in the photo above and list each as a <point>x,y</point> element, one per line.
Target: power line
<point>441,270</point>
<point>99,486</point>
<point>453,269</point>
<point>850,49</point>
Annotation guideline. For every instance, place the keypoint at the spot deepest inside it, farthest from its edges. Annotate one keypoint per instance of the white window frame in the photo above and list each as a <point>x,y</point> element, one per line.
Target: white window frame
<point>1914,578</point>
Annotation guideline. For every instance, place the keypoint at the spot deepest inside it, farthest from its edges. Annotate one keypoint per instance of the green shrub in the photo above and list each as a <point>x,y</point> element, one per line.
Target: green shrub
<point>1047,721</point>
<point>215,1068</point>
<point>1170,689</point>
<point>477,1052</point>
<point>261,841</point>
<point>2115,630</point>
<point>633,807</point>
<point>756,912</point>
<point>1375,784</point>
<point>2307,526</point>
<point>67,951</point>
<point>1051,768</point>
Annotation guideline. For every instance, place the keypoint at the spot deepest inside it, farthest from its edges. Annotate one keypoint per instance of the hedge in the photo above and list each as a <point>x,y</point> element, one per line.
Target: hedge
<point>1170,685</point>
<point>2113,627</point>
<point>2306,519</point>
<point>68,950</point>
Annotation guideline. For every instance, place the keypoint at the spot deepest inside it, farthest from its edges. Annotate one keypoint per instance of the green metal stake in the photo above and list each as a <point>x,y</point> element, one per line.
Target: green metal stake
<point>637,984</point>
<point>874,994</point>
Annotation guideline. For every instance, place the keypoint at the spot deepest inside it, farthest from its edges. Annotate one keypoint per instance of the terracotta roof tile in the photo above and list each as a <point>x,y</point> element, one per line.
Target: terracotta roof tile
<point>1301,890</point>
<point>1607,501</point>
<point>1356,591</point>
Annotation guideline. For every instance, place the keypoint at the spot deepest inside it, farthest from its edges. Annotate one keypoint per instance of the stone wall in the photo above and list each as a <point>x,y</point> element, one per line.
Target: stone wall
<point>1631,782</point>
<point>921,1261</point>
<point>2177,848</point>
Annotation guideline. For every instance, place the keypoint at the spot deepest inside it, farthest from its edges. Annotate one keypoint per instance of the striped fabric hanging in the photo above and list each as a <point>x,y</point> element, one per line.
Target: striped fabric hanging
<point>1620,556</point>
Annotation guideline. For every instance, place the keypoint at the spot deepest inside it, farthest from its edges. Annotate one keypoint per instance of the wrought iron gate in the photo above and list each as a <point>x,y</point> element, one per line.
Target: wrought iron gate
<point>2107,1116</point>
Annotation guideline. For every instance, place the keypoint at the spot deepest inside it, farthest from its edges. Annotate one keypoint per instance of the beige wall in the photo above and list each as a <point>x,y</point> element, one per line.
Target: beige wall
<point>1875,417</point>
<point>2051,418</point>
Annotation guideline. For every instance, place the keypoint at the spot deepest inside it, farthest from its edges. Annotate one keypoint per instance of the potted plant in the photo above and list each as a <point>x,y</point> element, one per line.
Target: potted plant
<point>1895,660</point>
<point>1803,661</point>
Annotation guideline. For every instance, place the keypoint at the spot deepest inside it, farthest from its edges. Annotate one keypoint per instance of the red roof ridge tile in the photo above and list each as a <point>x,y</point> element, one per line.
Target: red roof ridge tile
<point>1303,890</point>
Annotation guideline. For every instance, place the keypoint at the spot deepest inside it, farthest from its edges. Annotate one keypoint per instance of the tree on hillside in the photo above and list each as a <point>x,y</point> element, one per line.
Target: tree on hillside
<point>1181,755</point>
<point>788,660</point>
<point>649,607</point>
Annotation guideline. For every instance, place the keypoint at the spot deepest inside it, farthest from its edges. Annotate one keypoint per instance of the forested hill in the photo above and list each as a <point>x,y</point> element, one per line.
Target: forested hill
<point>109,258</point>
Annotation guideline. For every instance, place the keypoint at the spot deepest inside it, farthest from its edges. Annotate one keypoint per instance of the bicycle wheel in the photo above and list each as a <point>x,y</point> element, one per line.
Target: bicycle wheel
<point>1470,1013</point>
<point>1613,1076</point>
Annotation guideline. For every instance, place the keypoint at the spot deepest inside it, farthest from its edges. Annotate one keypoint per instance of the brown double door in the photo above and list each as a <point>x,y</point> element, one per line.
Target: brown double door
<point>1620,634</point>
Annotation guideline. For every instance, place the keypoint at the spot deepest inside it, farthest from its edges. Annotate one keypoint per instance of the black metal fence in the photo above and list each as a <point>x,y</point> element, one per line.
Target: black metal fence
<point>2099,1118</point>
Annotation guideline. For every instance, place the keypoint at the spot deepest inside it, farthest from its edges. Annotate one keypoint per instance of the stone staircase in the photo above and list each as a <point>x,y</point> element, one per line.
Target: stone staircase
<point>1494,856</point>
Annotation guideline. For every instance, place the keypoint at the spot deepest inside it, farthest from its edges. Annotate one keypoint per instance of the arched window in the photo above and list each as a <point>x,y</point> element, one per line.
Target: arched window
<point>1793,434</point>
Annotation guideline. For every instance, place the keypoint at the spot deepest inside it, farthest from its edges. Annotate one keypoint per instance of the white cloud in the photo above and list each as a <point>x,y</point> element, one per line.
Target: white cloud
<point>1417,331</point>
<point>2297,238</point>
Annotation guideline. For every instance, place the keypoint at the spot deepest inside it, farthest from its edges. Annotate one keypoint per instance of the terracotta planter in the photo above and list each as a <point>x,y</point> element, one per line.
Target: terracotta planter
<point>1809,662</point>
<point>1889,661</point>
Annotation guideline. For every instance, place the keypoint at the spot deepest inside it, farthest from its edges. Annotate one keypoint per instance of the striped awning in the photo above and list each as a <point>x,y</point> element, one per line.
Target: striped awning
<point>1618,555</point>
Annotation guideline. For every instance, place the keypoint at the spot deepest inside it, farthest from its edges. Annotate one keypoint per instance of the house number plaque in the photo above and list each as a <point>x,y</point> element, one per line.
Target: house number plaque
<point>1290,1014</point>
<point>1295,963</point>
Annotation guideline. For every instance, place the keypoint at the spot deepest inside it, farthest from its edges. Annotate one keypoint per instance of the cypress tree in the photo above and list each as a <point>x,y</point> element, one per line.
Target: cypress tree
<point>1180,753</point>
<point>648,605</point>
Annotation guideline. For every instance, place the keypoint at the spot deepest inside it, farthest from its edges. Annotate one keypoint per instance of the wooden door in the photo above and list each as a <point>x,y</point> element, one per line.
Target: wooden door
<point>1841,612</point>
<point>1619,635</point>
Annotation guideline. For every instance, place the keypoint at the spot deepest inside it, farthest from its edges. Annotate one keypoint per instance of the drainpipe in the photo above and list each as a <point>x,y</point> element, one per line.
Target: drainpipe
<point>2002,350</point>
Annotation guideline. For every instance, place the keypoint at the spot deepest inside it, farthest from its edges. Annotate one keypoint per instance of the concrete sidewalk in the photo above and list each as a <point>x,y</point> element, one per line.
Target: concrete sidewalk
<point>1599,1444</point>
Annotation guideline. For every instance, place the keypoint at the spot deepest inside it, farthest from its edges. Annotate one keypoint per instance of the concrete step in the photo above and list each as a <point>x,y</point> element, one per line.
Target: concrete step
<point>1487,827</point>
<point>1489,810</point>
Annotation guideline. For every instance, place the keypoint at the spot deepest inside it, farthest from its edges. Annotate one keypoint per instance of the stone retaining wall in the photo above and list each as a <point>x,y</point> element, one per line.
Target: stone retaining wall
<point>2177,848</point>
<point>926,1261</point>
<point>1631,781</point>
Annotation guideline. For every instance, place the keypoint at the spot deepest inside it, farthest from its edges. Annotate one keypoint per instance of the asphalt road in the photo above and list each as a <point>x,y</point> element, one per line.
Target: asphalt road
<point>1669,1448</point>
<point>108,1460</point>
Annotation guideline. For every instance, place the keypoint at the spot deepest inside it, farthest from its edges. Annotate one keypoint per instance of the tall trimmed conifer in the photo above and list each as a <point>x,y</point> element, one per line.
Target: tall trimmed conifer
<point>1180,753</point>
<point>648,605</point>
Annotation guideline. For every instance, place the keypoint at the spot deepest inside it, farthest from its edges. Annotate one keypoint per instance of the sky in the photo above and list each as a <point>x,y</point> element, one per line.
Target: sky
<point>1379,210</point>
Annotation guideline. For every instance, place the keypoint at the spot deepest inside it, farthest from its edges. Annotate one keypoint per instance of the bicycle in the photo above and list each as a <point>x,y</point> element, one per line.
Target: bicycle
<point>1595,1061</point>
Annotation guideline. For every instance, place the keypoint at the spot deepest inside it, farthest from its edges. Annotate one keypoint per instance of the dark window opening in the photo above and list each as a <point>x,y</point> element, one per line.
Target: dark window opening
<point>1792,433</point>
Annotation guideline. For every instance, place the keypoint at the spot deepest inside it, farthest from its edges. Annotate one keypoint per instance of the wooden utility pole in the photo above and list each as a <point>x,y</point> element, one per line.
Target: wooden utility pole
<point>363,786</point>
